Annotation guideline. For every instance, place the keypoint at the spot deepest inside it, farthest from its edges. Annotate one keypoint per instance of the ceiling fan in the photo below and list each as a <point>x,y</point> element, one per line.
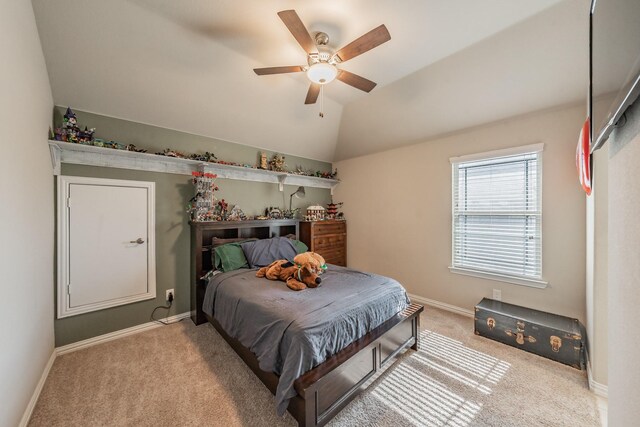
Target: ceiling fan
<point>322,62</point>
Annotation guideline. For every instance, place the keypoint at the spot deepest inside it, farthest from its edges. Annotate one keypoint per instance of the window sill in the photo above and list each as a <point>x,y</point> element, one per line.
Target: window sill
<point>533,283</point>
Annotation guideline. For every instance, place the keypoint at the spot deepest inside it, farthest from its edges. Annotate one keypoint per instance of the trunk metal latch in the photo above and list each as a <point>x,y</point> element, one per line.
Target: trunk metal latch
<point>556,343</point>
<point>520,336</point>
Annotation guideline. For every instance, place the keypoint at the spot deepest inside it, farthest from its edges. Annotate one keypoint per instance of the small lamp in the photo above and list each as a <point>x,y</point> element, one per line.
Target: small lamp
<point>299,193</point>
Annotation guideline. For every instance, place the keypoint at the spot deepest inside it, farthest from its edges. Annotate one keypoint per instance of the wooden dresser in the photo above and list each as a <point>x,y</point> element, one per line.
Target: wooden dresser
<point>328,238</point>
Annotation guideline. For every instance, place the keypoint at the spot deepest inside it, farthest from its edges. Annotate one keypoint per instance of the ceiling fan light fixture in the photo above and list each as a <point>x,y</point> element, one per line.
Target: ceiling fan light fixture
<point>322,73</point>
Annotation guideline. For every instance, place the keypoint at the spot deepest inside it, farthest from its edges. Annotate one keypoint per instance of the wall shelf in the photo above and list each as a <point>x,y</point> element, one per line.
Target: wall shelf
<point>79,154</point>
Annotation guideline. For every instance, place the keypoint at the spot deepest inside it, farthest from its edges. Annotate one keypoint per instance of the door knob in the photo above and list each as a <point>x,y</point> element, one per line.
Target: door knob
<point>139,241</point>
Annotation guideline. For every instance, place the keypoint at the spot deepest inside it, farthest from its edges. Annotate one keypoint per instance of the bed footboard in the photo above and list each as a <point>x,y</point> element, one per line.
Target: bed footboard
<point>329,387</point>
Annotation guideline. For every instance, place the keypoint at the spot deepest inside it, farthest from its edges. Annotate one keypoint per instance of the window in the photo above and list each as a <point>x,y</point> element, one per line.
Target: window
<point>497,215</point>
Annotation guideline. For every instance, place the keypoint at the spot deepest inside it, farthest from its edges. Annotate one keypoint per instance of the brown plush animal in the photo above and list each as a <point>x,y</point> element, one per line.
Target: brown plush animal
<point>312,258</point>
<point>297,277</point>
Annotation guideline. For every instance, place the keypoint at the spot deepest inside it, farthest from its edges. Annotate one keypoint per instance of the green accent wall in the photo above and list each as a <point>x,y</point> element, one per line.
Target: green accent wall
<point>172,227</point>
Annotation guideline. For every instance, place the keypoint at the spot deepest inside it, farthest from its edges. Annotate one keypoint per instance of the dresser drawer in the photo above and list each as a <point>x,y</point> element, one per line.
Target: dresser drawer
<point>329,241</point>
<point>329,227</point>
<point>328,238</point>
<point>331,253</point>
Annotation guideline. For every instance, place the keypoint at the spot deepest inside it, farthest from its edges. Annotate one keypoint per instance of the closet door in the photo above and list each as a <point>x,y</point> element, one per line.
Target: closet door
<point>107,243</point>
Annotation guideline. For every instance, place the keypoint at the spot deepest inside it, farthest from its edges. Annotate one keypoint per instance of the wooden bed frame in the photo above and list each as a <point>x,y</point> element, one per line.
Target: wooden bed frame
<point>330,386</point>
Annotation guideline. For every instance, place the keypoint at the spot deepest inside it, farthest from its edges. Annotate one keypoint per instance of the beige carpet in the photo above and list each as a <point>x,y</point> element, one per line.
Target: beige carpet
<point>182,375</point>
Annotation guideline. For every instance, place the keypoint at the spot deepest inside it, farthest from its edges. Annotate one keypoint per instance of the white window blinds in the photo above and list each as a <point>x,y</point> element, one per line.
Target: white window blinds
<point>497,213</point>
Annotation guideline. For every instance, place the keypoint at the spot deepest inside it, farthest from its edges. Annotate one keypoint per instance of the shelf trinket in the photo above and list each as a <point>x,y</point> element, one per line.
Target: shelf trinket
<point>236,214</point>
<point>206,157</point>
<point>332,211</point>
<point>277,163</point>
<point>315,213</point>
<point>202,206</point>
<point>263,161</point>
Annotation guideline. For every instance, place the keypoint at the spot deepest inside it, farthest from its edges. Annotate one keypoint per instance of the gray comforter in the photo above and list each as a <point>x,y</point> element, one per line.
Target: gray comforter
<point>291,332</point>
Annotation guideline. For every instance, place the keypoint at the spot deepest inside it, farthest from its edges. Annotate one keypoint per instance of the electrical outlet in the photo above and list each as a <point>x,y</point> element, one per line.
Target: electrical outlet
<point>170,291</point>
<point>497,294</point>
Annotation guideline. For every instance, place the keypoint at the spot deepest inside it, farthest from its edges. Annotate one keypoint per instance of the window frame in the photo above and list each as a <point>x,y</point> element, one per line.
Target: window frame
<point>496,154</point>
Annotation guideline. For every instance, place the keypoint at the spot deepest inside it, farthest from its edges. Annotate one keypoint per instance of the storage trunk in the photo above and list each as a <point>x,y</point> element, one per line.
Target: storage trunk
<point>549,335</point>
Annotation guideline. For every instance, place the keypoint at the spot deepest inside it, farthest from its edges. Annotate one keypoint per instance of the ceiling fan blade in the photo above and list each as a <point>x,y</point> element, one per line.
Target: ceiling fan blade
<point>312,94</point>
<point>362,44</point>
<point>356,81</point>
<point>278,70</point>
<point>297,28</point>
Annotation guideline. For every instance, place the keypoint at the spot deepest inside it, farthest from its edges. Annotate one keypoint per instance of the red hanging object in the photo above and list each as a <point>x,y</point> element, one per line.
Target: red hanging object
<point>583,157</point>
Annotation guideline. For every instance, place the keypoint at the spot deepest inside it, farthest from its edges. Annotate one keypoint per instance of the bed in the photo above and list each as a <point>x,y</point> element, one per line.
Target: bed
<point>326,373</point>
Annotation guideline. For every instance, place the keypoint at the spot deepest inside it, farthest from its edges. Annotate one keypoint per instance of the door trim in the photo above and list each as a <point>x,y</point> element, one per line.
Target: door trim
<point>64,182</point>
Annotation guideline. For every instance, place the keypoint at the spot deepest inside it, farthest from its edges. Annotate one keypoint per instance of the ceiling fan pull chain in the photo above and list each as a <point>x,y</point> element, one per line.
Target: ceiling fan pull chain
<point>321,101</point>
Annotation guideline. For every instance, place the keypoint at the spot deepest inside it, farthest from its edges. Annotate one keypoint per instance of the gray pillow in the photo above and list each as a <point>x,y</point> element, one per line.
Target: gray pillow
<point>263,252</point>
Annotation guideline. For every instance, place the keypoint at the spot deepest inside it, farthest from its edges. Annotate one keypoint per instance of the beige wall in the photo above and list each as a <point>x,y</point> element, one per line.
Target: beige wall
<point>597,267</point>
<point>398,203</point>
<point>624,272</point>
<point>26,212</point>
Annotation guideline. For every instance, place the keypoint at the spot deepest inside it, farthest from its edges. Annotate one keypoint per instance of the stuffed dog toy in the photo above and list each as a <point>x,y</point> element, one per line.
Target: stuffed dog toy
<point>312,258</point>
<point>297,277</point>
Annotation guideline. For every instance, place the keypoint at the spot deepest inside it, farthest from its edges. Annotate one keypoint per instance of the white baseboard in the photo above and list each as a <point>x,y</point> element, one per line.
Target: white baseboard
<point>36,393</point>
<point>117,334</point>
<point>597,388</point>
<point>442,305</point>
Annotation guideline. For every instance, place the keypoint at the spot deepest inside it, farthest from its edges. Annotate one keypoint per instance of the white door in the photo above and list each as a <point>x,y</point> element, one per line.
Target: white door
<point>108,234</point>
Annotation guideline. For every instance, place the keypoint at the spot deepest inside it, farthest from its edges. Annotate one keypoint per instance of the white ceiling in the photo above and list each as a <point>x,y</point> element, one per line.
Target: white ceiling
<point>422,31</point>
<point>187,65</point>
<point>538,64</point>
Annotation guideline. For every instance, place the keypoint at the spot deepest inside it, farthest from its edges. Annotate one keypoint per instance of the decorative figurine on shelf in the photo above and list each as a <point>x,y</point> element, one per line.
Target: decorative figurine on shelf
<point>168,152</point>
<point>291,214</point>
<point>114,145</point>
<point>236,214</point>
<point>70,129</point>
<point>273,213</point>
<point>315,213</point>
<point>328,175</point>
<point>202,206</point>
<point>71,132</point>
<point>277,163</point>
<point>206,157</point>
<point>302,171</point>
<point>131,147</point>
<point>223,206</point>
<point>86,136</point>
<point>209,157</point>
<point>263,161</point>
<point>332,210</point>
<point>69,120</point>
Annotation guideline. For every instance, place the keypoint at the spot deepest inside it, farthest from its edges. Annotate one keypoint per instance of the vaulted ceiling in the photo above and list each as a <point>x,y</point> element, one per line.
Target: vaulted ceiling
<point>187,65</point>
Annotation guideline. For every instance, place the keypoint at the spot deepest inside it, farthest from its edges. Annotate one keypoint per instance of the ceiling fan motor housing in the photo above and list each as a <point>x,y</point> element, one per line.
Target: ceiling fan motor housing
<point>322,39</point>
<point>323,55</point>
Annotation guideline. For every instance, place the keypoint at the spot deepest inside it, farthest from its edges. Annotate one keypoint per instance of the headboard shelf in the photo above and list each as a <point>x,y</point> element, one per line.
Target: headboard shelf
<point>203,232</point>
